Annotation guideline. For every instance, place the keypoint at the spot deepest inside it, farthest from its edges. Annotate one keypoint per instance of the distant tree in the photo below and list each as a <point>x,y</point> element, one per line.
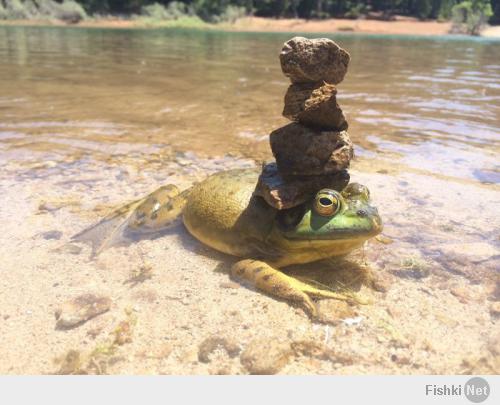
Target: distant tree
<point>495,7</point>
<point>422,8</point>
<point>470,16</point>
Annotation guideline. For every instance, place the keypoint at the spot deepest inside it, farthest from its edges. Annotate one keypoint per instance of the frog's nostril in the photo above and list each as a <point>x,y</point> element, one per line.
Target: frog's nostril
<point>362,213</point>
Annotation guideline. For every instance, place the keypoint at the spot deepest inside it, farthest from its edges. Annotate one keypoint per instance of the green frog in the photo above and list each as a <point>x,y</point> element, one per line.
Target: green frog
<point>224,213</point>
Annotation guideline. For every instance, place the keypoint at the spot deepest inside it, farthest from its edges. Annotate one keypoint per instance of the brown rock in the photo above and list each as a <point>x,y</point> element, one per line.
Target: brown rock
<point>314,105</point>
<point>80,309</point>
<point>265,356</point>
<point>303,151</point>
<point>286,192</point>
<point>495,308</point>
<point>313,60</point>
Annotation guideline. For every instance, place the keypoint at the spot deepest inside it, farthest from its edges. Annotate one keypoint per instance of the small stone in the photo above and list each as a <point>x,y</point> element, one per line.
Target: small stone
<point>73,249</point>
<point>210,344</point>
<point>321,351</point>
<point>70,364</point>
<point>495,308</point>
<point>334,311</point>
<point>303,151</point>
<point>52,235</point>
<point>312,60</point>
<point>265,356</point>
<point>80,309</point>
<point>461,293</point>
<point>314,105</point>
<point>474,251</point>
<point>286,192</point>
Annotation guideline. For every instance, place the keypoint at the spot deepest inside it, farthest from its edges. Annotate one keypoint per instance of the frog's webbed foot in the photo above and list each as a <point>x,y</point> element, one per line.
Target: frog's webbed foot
<point>274,282</point>
<point>154,213</point>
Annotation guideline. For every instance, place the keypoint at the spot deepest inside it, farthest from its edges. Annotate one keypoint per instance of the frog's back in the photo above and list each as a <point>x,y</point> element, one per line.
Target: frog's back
<point>222,212</point>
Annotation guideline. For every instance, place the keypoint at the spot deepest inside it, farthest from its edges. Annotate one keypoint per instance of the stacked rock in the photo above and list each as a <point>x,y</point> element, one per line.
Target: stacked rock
<point>313,151</point>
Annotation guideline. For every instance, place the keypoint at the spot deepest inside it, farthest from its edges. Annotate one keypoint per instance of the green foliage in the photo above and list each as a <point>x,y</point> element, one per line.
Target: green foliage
<point>444,11</point>
<point>356,10</point>
<point>173,11</point>
<point>220,10</point>
<point>232,13</point>
<point>15,10</point>
<point>423,8</point>
<point>495,6</point>
<point>68,10</point>
<point>469,16</point>
<point>3,12</point>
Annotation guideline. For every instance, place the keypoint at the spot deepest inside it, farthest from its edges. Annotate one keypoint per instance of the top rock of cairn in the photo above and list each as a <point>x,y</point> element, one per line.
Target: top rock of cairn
<point>313,60</point>
<point>314,151</point>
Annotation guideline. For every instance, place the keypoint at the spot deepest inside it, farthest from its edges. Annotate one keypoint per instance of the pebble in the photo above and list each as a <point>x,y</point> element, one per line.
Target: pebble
<point>495,308</point>
<point>210,344</point>
<point>265,356</point>
<point>52,235</point>
<point>80,309</point>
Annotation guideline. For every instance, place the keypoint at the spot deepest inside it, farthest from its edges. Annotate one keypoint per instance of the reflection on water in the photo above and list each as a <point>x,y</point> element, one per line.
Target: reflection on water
<point>431,105</point>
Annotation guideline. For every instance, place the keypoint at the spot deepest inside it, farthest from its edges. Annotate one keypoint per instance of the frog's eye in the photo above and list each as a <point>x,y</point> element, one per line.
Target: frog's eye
<point>327,202</point>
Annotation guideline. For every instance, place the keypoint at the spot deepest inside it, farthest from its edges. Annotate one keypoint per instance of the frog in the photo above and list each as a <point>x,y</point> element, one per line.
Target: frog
<point>224,212</point>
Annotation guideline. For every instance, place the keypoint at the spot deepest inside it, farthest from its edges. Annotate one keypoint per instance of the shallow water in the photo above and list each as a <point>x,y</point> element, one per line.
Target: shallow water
<point>91,118</point>
<point>433,105</point>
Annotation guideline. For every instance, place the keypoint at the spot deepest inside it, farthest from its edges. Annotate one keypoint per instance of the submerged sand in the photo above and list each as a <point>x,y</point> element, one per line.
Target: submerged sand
<point>432,280</point>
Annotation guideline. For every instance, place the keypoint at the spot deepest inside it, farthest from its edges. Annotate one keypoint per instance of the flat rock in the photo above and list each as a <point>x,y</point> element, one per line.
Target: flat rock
<point>265,356</point>
<point>80,309</point>
<point>313,60</point>
<point>286,192</point>
<point>299,150</point>
<point>314,105</point>
<point>475,252</point>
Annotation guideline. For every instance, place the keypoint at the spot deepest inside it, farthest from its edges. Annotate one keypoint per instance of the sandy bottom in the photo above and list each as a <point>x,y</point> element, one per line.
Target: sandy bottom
<point>432,280</point>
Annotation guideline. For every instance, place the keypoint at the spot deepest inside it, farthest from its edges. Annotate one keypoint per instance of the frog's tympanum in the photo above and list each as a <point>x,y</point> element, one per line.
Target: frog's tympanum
<point>223,213</point>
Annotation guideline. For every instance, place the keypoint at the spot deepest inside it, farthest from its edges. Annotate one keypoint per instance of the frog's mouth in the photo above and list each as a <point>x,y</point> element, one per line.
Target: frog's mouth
<point>298,224</point>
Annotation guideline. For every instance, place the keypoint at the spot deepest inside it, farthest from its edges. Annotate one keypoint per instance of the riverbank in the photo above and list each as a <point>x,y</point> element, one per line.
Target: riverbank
<point>400,26</point>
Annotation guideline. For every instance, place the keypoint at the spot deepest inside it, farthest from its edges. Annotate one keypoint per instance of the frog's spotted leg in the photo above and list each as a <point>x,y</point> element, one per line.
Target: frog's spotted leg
<point>276,283</point>
<point>151,214</point>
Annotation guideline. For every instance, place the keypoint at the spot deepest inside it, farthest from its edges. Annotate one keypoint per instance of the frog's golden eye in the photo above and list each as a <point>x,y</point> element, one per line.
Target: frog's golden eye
<point>327,202</point>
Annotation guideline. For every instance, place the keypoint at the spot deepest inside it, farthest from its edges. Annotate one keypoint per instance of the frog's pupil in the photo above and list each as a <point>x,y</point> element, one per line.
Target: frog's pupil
<point>325,201</point>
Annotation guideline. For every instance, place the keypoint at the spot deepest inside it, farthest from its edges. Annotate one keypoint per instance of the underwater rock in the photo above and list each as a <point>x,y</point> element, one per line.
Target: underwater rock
<point>313,60</point>
<point>265,356</point>
<point>314,105</point>
<point>210,344</point>
<point>286,192</point>
<point>299,150</point>
<point>80,309</point>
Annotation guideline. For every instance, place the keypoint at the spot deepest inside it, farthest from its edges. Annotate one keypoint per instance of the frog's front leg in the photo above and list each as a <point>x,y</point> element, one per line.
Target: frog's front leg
<point>276,283</point>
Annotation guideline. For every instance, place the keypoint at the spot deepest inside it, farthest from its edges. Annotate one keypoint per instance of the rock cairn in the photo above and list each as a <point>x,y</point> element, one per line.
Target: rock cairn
<point>313,151</point>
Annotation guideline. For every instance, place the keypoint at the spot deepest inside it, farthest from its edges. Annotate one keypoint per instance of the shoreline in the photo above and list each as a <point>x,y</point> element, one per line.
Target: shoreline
<point>400,26</point>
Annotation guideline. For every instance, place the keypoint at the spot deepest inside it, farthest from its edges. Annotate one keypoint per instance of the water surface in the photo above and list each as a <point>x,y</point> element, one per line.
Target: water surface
<point>431,105</point>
